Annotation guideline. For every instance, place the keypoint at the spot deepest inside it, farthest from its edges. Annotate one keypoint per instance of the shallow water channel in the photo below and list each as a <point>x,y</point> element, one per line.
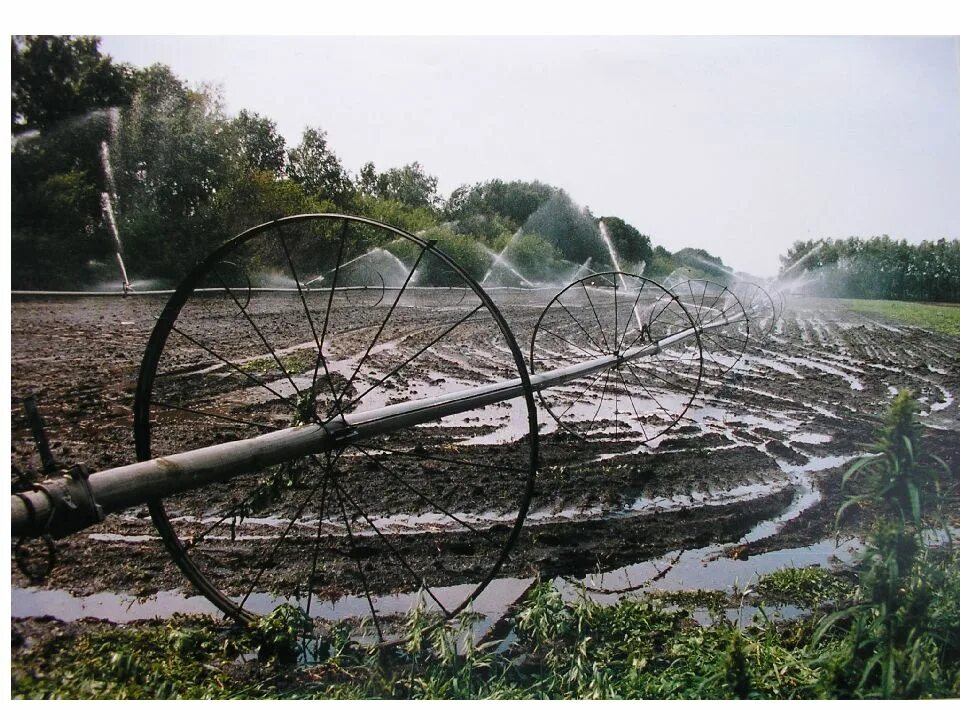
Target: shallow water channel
<point>703,568</point>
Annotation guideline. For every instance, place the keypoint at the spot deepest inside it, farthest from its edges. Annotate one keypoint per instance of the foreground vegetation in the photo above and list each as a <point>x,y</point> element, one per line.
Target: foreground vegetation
<point>894,633</point>
<point>942,318</point>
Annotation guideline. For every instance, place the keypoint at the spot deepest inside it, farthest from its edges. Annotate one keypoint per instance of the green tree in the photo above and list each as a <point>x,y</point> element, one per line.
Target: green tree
<point>514,201</point>
<point>568,228</point>
<point>705,264</point>
<point>535,258</point>
<point>462,249</point>
<point>317,169</point>
<point>661,263</point>
<point>631,246</point>
<point>61,87</point>
<point>409,185</point>
<point>258,144</point>
<point>56,77</point>
<point>876,267</point>
<point>174,154</point>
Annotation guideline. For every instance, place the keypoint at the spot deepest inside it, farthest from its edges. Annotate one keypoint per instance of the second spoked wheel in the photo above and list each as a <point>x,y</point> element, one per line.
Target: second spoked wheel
<point>423,515</point>
<point>720,318</point>
<point>652,335</point>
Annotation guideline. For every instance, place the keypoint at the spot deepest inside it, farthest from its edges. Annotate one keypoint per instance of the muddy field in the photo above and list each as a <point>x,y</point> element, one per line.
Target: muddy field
<point>751,469</point>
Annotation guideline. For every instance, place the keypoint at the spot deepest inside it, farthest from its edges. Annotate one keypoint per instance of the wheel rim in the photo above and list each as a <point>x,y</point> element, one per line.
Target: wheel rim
<point>353,525</point>
<point>760,308</point>
<point>710,302</point>
<point>613,313</point>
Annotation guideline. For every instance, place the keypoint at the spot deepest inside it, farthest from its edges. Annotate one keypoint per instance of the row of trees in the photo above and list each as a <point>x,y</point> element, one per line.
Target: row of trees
<point>182,176</point>
<point>875,268</point>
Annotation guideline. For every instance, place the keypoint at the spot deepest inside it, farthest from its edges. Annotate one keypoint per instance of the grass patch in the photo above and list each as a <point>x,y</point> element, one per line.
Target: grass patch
<point>809,587</point>
<point>942,318</point>
<point>294,363</point>
<point>633,649</point>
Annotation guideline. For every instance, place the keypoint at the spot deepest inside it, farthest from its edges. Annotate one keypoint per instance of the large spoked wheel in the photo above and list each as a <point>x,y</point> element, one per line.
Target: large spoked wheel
<point>364,532</point>
<point>760,308</point>
<point>720,318</point>
<point>652,336</point>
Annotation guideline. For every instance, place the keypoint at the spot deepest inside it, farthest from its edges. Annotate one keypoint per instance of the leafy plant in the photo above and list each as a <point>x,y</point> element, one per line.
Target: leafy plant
<point>808,587</point>
<point>897,479</point>
<point>900,638</point>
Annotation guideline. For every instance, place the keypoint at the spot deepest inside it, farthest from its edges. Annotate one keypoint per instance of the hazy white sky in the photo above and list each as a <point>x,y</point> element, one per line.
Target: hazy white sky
<point>737,145</point>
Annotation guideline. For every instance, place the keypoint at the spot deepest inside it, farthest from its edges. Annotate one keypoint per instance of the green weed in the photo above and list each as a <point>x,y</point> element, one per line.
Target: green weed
<point>807,587</point>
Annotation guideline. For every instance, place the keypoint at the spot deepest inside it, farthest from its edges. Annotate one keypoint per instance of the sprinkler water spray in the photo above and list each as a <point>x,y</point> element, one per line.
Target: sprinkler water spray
<point>336,424</point>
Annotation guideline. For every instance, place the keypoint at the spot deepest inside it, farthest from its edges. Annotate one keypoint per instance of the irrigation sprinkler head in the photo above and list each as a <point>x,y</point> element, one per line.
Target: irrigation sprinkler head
<point>647,384</point>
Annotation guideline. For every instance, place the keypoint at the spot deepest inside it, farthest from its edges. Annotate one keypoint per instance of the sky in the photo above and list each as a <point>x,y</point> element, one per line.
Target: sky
<point>738,145</point>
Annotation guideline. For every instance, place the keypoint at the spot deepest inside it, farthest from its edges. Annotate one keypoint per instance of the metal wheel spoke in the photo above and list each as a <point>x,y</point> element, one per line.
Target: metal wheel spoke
<point>316,543</point>
<point>442,510</point>
<point>583,329</point>
<point>386,320</point>
<point>603,392</point>
<point>398,368</point>
<point>194,411</point>
<point>356,558</point>
<point>283,536</point>
<point>313,331</point>
<point>633,405</point>
<point>256,329</point>
<point>626,325</point>
<point>396,553</point>
<point>616,315</point>
<point>571,344</point>
<point>323,332</point>
<point>423,456</point>
<point>651,396</point>
<point>596,379</point>
<point>235,367</point>
<point>648,371</point>
<point>599,324</point>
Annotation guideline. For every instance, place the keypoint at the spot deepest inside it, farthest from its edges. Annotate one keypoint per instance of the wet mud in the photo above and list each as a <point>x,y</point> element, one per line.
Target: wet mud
<point>446,495</point>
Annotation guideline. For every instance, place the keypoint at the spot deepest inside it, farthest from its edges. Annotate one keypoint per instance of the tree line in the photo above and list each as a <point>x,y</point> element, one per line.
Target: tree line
<point>182,176</point>
<point>875,268</point>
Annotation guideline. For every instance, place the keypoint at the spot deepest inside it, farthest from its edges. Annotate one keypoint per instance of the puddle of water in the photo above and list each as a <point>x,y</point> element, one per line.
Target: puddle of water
<point>809,438</point>
<point>806,496</point>
<point>496,598</point>
<point>750,615</point>
<point>819,409</point>
<point>740,493</point>
<point>780,367</point>
<point>33,602</point>
<point>945,403</point>
<point>115,537</point>
<point>405,523</point>
<point>706,569</point>
<point>828,368</point>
